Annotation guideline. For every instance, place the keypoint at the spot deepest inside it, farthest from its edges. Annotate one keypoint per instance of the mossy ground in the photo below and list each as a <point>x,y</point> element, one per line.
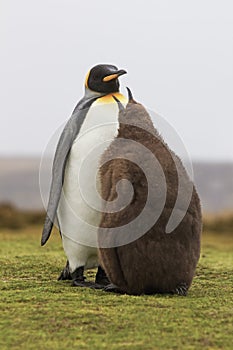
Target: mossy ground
<point>38,312</point>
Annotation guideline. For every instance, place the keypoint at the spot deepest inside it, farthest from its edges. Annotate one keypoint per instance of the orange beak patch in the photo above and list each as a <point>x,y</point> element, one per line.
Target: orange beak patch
<point>110,77</point>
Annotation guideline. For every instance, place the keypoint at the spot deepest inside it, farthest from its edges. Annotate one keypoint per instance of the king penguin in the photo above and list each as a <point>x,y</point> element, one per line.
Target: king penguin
<point>66,203</point>
<point>155,260</point>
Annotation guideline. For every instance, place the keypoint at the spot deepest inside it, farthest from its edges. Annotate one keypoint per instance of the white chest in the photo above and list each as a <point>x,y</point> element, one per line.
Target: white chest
<point>78,211</point>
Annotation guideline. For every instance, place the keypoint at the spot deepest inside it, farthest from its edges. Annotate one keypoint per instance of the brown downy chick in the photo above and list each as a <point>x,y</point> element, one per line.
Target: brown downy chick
<point>156,261</point>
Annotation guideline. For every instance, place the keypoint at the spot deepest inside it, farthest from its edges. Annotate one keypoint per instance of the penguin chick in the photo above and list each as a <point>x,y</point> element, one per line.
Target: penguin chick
<point>154,262</point>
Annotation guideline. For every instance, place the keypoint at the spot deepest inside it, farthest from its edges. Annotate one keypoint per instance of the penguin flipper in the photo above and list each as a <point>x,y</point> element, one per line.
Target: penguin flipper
<point>65,142</point>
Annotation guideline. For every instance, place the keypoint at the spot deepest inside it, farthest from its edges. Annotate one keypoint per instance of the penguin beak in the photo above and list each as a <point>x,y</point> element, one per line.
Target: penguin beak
<point>114,75</point>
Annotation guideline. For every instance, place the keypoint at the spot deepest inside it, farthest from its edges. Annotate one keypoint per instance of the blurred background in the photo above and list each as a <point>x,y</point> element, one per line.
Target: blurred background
<point>178,55</point>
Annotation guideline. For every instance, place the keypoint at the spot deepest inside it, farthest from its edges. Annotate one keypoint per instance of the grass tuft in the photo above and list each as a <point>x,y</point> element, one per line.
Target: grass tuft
<point>38,312</point>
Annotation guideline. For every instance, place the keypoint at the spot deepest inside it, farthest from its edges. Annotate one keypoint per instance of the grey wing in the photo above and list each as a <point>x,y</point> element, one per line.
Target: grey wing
<point>65,142</point>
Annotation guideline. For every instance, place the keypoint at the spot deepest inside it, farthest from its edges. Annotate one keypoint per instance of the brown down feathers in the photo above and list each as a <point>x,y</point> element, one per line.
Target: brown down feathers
<point>157,262</point>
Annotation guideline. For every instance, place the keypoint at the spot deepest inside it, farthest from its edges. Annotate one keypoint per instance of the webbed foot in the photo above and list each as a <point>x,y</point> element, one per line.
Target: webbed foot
<point>112,288</point>
<point>78,279</point>
<point>82,283</point>
<point>86,284</point>
<point>101,278</point>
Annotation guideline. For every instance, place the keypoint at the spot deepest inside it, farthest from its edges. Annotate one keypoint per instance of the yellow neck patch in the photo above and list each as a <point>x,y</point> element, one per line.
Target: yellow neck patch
<point>109,99</point>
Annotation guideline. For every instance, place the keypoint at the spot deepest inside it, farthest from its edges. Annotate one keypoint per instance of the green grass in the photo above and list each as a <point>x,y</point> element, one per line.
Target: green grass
<point>37,312</point>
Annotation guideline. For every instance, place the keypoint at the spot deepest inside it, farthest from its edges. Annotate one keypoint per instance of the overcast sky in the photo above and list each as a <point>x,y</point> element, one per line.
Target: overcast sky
<point>178,54</point>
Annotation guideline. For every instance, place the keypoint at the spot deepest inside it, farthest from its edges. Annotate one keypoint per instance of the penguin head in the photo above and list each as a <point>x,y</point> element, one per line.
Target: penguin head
<point>103,78</point>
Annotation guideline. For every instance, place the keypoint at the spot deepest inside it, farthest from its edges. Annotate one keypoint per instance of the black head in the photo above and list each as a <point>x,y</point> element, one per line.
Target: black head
<point>104,78</point>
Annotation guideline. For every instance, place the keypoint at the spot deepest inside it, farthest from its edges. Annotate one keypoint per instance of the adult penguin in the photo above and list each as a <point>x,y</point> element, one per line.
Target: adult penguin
<point>66,203</point>
<point>143,258</point>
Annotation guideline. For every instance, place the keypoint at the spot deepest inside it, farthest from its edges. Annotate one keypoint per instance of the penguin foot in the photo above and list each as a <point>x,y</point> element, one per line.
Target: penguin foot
<point>78,277</point>
<point>101,278</point>
<point>112,288</point>
<point>65,274</point>
<point>97,286</point>
<point>86,284</point>
<point>182,289</point>
<point>82,283</point>
<point>79,280</point>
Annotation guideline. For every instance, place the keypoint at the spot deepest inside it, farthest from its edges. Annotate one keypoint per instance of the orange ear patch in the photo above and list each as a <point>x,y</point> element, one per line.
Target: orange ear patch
<point>86,79</point>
